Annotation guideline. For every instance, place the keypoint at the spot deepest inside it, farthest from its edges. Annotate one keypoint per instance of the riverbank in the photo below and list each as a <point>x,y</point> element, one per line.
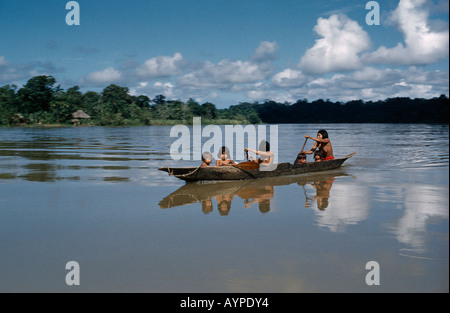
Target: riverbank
<point>152,123</point>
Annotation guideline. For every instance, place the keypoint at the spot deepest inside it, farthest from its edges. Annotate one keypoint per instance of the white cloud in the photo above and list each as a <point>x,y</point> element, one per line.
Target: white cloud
<point>157,88</point>
<point>367,84</point>
<point>423,44</point>
<point>225,74</point>
<point>161,66</point>
<point>338,49</point>
<point>107,76</point>
<point>266,51</point>
<point>289,78</point>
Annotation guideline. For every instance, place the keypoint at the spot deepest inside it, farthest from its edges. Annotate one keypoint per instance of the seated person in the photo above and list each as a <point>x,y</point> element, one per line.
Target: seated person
<point>206,158</point>
<point>317,156</point>
<point>323,143</point>
<point>266,156</point>
<point>224,158</point>
<point>301,159</point>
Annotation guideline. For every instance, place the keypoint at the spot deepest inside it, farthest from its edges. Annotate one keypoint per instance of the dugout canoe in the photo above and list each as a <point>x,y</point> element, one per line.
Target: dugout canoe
<point>224,173</point>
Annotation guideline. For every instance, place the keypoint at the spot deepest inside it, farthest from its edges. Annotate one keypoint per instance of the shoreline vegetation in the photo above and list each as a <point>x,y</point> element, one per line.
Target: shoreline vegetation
<point>43,103</point>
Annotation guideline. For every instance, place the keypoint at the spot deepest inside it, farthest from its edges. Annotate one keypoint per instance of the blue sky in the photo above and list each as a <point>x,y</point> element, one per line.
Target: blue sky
<point>228,51</point>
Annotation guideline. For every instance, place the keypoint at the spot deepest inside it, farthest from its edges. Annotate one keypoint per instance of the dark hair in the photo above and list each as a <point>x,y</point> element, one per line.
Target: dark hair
<point>301,156</point>
<point>324,133</point>
<point>317,152</point>
<point>223,150</point>
<point>264,145</point>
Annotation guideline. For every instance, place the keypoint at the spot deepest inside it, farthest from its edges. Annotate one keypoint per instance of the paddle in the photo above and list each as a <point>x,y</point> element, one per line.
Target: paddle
<point>304,145</point>
<point>245,166</point>
<point>248,165</point>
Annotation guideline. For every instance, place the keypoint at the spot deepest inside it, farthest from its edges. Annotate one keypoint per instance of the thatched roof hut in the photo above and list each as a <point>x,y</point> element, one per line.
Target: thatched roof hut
<point>80,114</point>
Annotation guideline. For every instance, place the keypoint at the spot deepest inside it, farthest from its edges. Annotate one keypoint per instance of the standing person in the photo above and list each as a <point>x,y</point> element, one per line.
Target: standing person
<point>323,143</point>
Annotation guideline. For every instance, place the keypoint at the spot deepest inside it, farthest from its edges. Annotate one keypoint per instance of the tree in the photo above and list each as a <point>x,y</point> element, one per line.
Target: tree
<point>8,105</point>
<point>90,103</point>
<point>143,102</point>
<point>209,110</point>
<point>194,107</point>
<point>159,99</point>
<point>115,103</point>
<point>37,94</point>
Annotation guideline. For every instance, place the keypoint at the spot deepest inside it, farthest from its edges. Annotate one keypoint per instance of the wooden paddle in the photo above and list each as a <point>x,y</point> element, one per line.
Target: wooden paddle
<point>304,145</point>
<point>247,165</point>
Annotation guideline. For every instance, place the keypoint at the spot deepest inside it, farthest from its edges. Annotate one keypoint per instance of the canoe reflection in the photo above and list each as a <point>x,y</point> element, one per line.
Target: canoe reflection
<point>255,193</point>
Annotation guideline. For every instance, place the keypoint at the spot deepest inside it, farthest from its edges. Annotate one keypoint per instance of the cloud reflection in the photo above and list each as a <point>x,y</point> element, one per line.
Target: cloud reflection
<point>423,203</point>
<point>346,204</point>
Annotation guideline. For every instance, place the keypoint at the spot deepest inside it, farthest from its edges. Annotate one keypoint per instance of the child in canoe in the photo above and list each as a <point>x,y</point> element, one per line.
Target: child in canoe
<point>301,159</point>
<point>224,157</point>
<point>206,158</point>
<point>317,156</point>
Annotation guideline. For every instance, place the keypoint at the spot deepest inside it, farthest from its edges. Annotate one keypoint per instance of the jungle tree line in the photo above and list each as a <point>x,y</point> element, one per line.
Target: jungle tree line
<point>42,101</point>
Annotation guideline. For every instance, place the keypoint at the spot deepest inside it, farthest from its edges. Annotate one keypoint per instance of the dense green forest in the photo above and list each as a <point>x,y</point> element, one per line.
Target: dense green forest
<point>42,102</point>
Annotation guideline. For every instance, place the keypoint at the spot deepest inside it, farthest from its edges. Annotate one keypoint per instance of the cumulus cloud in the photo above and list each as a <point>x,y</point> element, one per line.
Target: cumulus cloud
<point>426,41</point>
<point>342,40</point>
<point>224,74</point>
<point>379,84</point>
<point>289,78</point>
<point>167,89</point>
<point>161,66</point>
<point>107,76</point>
<point>227,73</point>
<point>265,52</point>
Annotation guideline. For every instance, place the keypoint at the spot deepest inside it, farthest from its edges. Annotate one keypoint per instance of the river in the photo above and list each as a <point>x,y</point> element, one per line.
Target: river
<point>94,195</point>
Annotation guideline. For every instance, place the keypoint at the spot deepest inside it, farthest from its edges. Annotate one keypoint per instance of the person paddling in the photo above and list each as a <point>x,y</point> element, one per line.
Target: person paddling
<point>323,143</point>
<point>266,156</point>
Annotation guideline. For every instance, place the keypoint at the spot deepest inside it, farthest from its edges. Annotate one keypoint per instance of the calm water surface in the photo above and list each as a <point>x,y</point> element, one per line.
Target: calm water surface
<point>95,196</point>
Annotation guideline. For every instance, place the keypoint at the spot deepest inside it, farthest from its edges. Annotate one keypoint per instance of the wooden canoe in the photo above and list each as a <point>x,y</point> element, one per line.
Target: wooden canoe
<point>223,173</point>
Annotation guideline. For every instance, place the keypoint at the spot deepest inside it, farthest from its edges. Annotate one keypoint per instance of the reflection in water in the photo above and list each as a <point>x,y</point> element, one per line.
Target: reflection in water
<point>85,154</point>
<point>262,196</point>
<point>258,192</point>
<point>422,204</point>
<point>322,196</point>
<point>348,207</point>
